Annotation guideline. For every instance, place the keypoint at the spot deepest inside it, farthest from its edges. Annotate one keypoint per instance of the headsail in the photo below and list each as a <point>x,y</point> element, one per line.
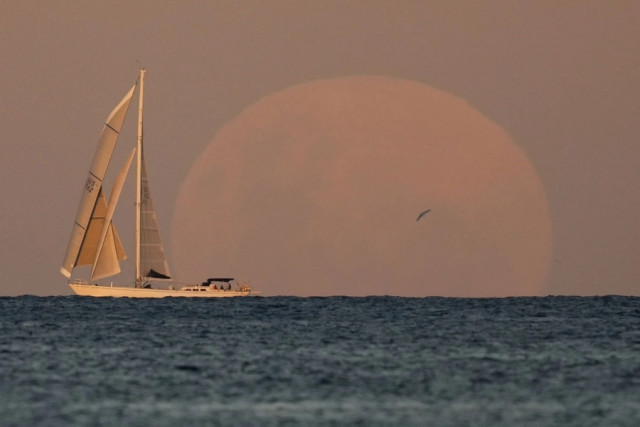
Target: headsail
<point>106,262</point>
<point>93,186</point>
<point>89,247</point>
<point>153,260</point>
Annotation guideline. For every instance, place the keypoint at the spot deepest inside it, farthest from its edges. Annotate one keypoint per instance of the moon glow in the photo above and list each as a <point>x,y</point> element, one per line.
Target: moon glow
<point>314,190</point>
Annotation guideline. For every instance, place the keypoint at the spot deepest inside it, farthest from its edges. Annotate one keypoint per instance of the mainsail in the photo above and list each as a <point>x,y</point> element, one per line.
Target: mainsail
<point>92,195</point>
<point>153,261</point>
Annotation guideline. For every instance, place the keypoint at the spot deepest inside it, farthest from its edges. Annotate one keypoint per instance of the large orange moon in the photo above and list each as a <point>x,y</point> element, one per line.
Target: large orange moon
<point>315,190</point>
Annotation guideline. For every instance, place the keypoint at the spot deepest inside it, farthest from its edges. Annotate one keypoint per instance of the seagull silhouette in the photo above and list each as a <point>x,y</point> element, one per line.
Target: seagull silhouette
<point>423,214</point>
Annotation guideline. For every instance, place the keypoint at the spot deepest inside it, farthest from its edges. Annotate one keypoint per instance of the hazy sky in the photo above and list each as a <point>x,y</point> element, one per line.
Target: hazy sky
<point>561,78</point>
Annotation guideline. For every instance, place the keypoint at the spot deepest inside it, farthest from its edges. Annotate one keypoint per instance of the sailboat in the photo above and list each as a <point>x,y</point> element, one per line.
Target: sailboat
<point>95,242</point>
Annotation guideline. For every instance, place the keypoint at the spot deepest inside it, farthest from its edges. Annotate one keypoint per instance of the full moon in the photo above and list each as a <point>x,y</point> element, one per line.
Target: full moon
<point>315,190</point>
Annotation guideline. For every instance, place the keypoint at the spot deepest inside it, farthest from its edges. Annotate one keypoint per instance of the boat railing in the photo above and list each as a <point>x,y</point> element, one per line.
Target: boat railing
<point>197,287</point>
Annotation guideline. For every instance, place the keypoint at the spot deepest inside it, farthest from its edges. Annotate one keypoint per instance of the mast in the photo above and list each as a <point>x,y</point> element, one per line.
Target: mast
<point>139,178</point>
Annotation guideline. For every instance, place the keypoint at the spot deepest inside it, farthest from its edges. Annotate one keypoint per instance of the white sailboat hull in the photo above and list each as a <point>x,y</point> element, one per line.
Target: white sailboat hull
<point>85,289</point>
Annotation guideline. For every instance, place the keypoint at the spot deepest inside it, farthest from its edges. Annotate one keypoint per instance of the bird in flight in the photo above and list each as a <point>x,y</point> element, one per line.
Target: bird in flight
<point>423,214</point>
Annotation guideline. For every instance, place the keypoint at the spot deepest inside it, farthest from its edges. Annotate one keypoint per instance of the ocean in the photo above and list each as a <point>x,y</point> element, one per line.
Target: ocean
<point>278,361</point>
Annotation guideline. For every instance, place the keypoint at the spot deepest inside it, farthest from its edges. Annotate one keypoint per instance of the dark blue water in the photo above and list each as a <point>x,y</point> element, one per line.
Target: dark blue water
<point>320,361</point>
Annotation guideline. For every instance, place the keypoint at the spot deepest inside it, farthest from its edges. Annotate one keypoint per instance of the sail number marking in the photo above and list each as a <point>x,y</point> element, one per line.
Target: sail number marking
<point>90,185</point>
